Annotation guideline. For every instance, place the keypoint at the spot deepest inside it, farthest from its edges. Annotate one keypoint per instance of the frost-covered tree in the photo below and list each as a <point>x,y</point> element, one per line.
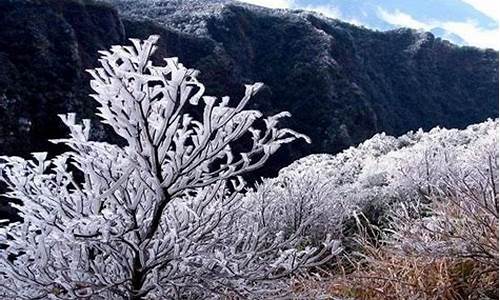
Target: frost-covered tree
<point>158,218</point>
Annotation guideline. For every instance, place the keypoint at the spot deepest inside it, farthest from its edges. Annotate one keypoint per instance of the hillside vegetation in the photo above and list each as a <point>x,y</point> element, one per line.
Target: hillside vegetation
<point>416,216</point>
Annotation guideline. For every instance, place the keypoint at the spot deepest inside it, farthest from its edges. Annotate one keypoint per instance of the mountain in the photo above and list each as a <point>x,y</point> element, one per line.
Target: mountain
<point>342,83</point>
<point>455,20</point>
<point>368,11</point>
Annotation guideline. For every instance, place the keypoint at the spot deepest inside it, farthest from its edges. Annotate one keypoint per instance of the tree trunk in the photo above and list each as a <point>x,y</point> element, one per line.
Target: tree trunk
<point>137,279</point>
<point>138,274</point>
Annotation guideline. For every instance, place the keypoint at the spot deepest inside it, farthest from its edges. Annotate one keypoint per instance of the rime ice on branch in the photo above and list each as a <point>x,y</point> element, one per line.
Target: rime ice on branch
<point>158,218</point>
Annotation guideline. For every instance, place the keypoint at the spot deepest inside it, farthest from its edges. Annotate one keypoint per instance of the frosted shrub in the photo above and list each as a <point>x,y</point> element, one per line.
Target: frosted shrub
<point>460,215</point>
<point>159,217</point>
<point>375,178</point>
<point>444,243</point>
<point>296,200</point>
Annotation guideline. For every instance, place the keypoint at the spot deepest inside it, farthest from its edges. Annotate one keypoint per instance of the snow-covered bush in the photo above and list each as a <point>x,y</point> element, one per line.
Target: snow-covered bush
<point>444,245</point>
<point>298,200</point>
<point>158,218</point>
<point>373,178</point>
<point>458,214</point>
<point>439,194</point>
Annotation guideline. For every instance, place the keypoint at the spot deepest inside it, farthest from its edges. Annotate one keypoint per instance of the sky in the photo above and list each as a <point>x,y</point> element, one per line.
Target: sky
<point>465,22</point>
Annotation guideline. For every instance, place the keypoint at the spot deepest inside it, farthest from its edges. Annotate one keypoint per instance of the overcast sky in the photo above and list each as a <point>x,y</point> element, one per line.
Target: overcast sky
<point>468,22</point>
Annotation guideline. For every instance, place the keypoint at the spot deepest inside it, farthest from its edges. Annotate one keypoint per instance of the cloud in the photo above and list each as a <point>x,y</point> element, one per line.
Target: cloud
<point>468,30</point>
<point>491,8</point>
<point>398,18</point>
<point>271,3</point>
<point>330,11</point>
<point>473,34</point>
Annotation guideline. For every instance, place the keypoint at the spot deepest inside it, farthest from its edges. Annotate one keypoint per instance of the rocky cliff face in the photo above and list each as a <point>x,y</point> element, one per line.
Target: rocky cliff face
<point>342,83</point>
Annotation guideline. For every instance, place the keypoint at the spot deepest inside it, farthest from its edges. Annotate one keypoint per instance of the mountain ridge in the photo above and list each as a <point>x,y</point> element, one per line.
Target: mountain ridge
<point>342,83</point>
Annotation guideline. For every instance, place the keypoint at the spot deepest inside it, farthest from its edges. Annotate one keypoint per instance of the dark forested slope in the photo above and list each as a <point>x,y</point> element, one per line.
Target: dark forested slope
<point>342,83</point>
